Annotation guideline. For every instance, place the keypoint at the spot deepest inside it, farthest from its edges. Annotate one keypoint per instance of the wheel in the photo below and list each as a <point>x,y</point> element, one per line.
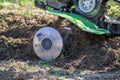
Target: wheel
<point>89,8</point>
<point>47,43</point>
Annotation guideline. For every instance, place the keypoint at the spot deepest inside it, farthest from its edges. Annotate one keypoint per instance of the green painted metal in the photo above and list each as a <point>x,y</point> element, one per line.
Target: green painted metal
<point>80,21</point>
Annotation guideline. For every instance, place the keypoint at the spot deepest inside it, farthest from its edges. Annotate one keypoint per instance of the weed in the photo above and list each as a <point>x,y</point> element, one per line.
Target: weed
<point>44,64</point>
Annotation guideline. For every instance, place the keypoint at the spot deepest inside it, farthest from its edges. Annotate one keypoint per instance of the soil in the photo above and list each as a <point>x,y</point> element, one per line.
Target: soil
<point>82,51</point>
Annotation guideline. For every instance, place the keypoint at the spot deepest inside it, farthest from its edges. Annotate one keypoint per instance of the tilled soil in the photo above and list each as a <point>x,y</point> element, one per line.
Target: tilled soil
<point>82,50</point>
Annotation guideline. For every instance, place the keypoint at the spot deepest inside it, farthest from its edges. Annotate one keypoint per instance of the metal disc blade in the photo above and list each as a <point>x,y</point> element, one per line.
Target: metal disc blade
<point>47,43</point>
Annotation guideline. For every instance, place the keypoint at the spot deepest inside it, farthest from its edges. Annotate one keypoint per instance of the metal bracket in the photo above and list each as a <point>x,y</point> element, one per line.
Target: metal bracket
<point>113,27</point>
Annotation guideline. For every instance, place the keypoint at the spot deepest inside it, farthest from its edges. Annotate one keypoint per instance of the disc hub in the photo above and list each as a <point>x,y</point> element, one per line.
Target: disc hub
<point>46,44</point>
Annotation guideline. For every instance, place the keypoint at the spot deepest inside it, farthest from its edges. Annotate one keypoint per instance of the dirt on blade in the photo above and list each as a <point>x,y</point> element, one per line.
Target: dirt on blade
<point>82,51</point>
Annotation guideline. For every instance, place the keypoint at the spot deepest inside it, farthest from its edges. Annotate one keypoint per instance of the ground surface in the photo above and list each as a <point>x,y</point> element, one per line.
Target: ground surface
<point>85,56</point>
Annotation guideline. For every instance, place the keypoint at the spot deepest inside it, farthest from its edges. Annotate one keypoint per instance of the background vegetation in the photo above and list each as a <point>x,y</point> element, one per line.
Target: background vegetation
<point>20,2</point>
<point>113,11</point>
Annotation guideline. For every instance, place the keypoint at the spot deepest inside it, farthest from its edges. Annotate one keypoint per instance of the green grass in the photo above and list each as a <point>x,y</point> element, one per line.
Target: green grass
<point>114,10</point>
<point>20,2</point>
<point>1,6</point>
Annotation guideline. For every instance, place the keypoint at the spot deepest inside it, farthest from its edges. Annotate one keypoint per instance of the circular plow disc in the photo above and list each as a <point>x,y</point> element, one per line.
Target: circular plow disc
<point>47,43</point>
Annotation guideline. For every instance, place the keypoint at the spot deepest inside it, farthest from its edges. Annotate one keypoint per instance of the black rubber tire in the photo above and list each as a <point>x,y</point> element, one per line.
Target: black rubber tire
<point>95,13</point>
